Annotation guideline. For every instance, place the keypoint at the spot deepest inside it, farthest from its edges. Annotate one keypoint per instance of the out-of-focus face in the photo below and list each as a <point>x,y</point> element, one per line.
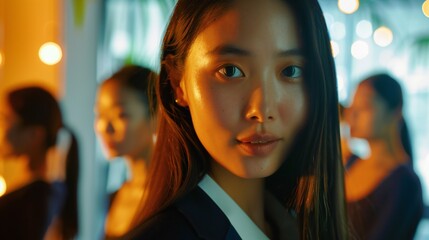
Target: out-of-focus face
<point>121,121</point>
<point>243,84</point>
<point>11,133</point>
<point>368,115</point>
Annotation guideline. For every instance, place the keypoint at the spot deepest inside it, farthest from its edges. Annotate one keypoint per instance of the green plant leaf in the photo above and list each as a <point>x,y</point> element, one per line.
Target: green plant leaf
<point>79,12</point>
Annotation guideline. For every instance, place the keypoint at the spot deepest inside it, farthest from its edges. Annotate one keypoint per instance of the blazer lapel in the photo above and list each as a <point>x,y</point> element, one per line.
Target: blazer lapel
<point>207,219</point>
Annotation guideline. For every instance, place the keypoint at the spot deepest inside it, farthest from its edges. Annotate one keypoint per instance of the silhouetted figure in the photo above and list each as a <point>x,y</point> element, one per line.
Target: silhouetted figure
<point>41,200</point>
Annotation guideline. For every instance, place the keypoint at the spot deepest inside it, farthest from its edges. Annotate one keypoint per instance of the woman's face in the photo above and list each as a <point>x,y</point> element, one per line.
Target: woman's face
<point>243,84</point>
<point>121,121</point>
<point>11,134</point>
<point>368,115</point>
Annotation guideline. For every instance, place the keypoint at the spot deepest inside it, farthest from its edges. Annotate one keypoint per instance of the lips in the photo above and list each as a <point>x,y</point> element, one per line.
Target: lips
<point>258,144</point>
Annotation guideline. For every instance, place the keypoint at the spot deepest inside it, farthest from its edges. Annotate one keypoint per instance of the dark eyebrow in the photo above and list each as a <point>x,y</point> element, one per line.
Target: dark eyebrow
<point>291,52</point>
<point>233,50</point>
<point>228,50</point>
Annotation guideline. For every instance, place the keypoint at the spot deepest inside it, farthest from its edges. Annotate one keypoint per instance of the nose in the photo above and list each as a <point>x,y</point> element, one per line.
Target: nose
<point>109,127</point>
<point>262,102</point>
<point>104,126</point>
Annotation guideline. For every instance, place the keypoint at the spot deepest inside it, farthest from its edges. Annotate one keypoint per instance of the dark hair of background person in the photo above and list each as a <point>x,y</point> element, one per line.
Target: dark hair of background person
<point>390,92</point>
<point>311,178</point>
<point>37,107</point>
<point>140,79</point>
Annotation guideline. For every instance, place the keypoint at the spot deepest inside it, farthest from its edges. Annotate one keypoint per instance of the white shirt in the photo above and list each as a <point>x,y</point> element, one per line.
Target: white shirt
<point>244,226</point>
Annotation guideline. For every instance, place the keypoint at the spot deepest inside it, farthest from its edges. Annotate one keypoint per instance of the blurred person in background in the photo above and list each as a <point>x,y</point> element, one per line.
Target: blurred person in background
<point>349,157</point>
<point>125,123</point>
<point>40,164</point>
<point>383,192</point>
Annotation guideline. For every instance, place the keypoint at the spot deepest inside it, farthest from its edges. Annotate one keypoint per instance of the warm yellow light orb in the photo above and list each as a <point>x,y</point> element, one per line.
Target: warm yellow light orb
<point>2,186</point>
<point>383,36</point>
<point>1,59</point>
<point>335,48</point>
<point>50,53</point>
<point>425,8</point>
<point>348,6</point>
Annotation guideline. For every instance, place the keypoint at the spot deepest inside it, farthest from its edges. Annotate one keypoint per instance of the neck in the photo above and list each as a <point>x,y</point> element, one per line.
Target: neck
<point>247,193</point>
<point>138,168</point>
<point>387,152</point>
<point>17,173</point>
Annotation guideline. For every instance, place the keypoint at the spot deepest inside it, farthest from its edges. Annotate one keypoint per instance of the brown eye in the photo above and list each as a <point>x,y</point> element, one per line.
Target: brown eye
<point>231,71</point>
<point>292,72</point>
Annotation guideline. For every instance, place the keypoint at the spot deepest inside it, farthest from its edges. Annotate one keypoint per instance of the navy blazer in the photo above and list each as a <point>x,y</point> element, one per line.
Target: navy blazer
<point>195,216</point>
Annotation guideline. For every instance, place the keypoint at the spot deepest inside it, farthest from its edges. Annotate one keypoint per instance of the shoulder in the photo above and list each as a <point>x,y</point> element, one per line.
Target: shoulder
<point>168,224</point>
<point>191,217</point>
<point>404,185</point>
<point>404,177</point>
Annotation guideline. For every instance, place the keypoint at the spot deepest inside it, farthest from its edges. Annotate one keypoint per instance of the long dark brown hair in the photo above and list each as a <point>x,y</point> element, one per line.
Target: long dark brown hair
<point>35,106</point>
<point>311,179</point>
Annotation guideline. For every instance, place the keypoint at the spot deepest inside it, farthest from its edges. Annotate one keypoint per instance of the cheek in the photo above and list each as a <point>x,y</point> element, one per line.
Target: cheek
<point>213,105</point>
<point>293,109</point>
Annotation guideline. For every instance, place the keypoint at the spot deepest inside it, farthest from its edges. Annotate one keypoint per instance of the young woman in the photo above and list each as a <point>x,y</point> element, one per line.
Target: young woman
<point>41,200</point>
<point>384,194</point>
<point>248,143</point>
<point>125,124</point>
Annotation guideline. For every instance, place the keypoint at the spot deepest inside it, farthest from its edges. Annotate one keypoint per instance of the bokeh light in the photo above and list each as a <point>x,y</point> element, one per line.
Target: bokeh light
<point>50,53</point>
<point>348,6</point>
<point>364,29</point>
<point>328,18</point>
<point>2,186</point>
<point>335,48</point>
<point>337,30</point>
<point>383,36</point>
<point>425,8</point>
<point>360,49</point>
<point>121,44</point>
<point>1,58</point>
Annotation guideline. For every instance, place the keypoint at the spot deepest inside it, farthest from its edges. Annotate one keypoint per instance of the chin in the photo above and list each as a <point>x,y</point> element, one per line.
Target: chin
<point>255,173</point>
<point>112,154</point>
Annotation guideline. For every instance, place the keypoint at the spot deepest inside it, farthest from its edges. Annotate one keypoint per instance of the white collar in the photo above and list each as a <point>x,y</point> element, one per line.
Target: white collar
<point>244,226</point>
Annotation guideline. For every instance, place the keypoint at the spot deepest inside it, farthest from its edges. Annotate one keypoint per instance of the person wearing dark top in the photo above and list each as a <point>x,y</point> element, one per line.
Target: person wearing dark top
<point>248,135</point>
<point>384,194</point>
<point>392,210</point>
<point>41,195</point>
<point>24,219</point>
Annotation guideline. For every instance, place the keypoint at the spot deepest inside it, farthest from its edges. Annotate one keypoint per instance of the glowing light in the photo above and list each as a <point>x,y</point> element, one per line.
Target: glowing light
<point>1,59</point>
<point>2,186</point>
<point>364,29</point>
<point>383,36</point>
<point>335,48</point>
<point>399,67</point>
<point>425,8</point>
<point>120,44</point>
<point>337,30</point>
<point>328,18</point>
<point>50,53</point>
<point>360,49</point>
<point>348,6</point>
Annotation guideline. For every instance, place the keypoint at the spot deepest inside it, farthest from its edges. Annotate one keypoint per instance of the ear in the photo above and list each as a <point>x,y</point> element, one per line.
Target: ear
<point>175,76</point>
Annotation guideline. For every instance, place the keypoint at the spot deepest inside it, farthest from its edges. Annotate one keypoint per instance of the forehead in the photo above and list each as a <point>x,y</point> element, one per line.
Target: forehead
<point>6,112</point>
<point>253,24</point>
<point>114,93</point>
<point>365,94</point>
